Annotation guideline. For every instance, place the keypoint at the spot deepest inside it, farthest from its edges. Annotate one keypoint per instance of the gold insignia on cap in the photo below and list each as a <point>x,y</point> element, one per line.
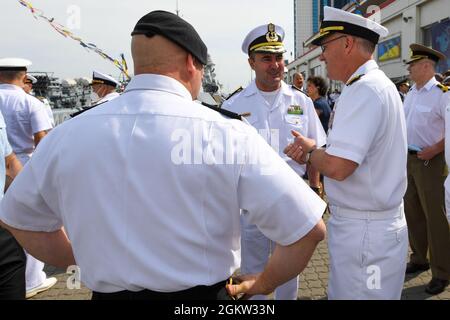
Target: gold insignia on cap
<point>271,35</point>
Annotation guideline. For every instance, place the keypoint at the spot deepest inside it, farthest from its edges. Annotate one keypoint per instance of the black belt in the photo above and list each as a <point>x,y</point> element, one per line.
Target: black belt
<point>214,292</point>
<point>412,152</point>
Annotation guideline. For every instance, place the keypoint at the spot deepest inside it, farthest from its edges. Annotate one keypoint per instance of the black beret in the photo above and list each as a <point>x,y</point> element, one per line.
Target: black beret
<point>174,28</point>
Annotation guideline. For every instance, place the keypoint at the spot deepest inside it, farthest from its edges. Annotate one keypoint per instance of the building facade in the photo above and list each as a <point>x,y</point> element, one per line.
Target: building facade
<point>409,21</point>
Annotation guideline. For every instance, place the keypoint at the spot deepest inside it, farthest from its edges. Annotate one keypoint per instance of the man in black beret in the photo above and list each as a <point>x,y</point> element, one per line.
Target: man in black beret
<point>158,218</point>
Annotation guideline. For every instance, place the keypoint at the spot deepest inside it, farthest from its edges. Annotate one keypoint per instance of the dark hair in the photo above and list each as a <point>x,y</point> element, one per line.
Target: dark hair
<point>10,75</point>
<point>320,84</point>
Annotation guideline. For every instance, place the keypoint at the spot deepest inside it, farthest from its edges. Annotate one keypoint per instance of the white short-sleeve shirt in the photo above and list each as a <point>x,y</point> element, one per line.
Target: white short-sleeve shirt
<point>369,129</point>
<point>445,104</point>
<point>149,190</point>
<point>424,117</point>
<point>291,110</point>
<point>24,115</point>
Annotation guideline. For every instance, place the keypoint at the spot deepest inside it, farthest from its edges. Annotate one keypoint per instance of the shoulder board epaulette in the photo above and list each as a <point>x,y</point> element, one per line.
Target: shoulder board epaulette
<point>234,92</point>
<point>353,80</point>
<point>226,113</point>
<point>298,89</point>
<point>442,87</point>
<point>73,115</point>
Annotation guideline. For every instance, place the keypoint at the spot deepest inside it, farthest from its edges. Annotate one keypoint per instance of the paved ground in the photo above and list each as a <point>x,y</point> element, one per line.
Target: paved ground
<point>313,283</point>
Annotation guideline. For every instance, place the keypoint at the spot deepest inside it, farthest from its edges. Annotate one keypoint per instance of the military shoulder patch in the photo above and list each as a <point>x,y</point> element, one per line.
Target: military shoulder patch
<point>354,79</point>
<point>442,87</point>
<point>298,89</point>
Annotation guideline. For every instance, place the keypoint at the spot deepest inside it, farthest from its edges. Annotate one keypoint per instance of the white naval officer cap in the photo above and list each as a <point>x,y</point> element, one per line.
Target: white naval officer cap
<point>336,20</point>
<point>267,38</point>
<point>32,79</point>
<point>101,78</point>
<point>14,64</point>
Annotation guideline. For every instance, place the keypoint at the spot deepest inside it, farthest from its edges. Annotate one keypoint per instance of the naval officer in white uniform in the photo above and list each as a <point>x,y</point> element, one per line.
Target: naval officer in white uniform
<point>364,164</point>
<point>275,109</point>
<point>25,116</point>
<point>160,219</point>
<point>27,124</point>
<point>28,88</point>
<point>103,87</point>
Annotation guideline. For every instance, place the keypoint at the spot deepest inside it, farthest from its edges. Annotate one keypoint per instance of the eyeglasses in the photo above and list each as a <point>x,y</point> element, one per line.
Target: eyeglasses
<point>326,42</point>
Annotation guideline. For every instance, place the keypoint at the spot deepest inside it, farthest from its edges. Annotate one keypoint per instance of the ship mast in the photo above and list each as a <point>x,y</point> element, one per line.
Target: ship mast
<point>178,9</point>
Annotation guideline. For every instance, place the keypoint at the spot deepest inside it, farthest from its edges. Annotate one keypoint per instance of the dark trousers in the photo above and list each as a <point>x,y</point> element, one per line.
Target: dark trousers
<point>12,267</point>
<point>214,292</point>
<point>428,227</point>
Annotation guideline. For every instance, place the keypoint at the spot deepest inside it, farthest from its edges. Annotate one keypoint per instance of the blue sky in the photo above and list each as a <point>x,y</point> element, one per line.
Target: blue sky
<point>108,24</point>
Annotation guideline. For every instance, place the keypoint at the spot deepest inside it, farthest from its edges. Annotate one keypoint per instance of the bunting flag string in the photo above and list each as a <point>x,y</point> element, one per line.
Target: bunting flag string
<point>65,32</point>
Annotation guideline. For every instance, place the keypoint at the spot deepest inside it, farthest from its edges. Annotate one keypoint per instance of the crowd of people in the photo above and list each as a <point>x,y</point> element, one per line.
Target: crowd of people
<point>150,186</point>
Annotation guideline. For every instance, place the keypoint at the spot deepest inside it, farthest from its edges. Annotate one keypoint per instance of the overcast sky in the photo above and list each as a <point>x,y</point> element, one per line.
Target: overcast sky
<point>108,24</point>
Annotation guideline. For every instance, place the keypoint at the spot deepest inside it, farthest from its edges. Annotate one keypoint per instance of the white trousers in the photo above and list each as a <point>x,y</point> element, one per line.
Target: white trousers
<point>368,253</point>
<point>34,271</point>
<point>256,249</point>
<point>34,274</point>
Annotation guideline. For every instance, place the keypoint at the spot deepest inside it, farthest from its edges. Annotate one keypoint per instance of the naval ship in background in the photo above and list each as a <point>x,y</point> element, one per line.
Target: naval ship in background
<point>68,96</point>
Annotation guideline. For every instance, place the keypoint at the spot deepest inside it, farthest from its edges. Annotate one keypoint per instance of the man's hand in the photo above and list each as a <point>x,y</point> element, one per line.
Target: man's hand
<point>299,148</point>
<point>245,286</point>
<point>428,153</point>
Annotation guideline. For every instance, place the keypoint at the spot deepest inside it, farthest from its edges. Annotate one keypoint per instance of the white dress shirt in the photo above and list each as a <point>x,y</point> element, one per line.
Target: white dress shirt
<point>149,190</point>
<point>424,115</point>
<point>369,129</point>
<point>24,115</point>
<point>275,121</point>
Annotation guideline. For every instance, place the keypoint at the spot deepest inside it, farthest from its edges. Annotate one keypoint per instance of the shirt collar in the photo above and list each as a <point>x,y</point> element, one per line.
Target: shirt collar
<point>158,82</point>
<point>253,89</point>
<point>430,84</point>
<point>364,69</point>
<point>7,86</point>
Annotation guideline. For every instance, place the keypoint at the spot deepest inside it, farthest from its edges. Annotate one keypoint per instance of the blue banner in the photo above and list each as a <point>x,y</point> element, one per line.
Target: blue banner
<point>440,34</point>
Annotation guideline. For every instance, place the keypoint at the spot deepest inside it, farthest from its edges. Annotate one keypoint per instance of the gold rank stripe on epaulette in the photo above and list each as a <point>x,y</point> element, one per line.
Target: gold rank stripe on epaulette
<point>354,79</point>
<point>298,89</point>
<point>235,92</point>
<point>442,87</point>
<point>225,112</point>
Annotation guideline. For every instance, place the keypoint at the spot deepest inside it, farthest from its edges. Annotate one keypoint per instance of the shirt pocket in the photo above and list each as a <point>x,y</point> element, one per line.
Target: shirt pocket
<point>296,122</point>
<point>423,108</point>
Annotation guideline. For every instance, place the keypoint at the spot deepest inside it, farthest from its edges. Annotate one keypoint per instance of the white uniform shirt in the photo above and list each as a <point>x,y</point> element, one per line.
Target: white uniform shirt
<point>24,115</point>
<point>424,117</point>
<point>108,97</point>
<point>156,215</point>
<point>445,103</point>
<point>49,110</point>
<point>275,122</point>
<point>369,129</point>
